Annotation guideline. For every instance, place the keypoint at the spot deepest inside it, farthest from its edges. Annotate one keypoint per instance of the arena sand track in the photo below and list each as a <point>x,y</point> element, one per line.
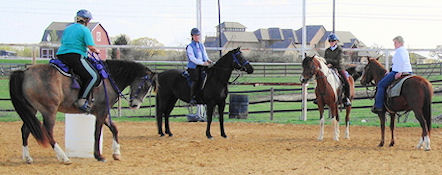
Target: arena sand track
<point>251,148</point>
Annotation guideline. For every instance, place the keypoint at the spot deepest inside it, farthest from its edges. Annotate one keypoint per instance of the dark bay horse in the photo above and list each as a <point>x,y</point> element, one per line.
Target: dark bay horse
<point>415,95</point>
<point>173,86</point>
<point>328,90</point>
<point>42,88</point>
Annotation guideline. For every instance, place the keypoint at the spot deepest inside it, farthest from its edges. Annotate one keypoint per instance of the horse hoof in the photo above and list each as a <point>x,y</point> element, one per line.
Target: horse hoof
<point>320,138</point>
<point>224,136</point>
<point>170,135</point>
<point>29,160</point>
<point>391,144</point>
<point>102,160</point>
<point>161,135</point>
<point>116,156</point>
<point>210,137</point>
<point>67,162</point>
<point>427,149</point>
<point>380,145</point>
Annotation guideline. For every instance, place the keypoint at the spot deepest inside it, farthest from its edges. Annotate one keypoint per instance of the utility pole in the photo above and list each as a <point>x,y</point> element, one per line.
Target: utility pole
<point>219,28</point>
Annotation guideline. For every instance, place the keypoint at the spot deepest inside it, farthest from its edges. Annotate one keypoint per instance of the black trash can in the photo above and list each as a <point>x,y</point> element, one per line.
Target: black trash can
<point>238,106</point>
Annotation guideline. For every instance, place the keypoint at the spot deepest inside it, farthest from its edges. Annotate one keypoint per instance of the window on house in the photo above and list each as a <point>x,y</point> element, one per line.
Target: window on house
<point>98,36</point>
<point>47,53</point>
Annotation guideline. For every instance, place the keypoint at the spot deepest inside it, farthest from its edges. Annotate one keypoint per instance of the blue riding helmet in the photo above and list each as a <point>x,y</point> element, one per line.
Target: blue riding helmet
<point>84,14</point>
<point>195,31</point>
<point>333,37</point>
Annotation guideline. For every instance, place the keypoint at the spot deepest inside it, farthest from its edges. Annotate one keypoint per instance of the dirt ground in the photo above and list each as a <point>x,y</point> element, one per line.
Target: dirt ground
<point>251,148</point>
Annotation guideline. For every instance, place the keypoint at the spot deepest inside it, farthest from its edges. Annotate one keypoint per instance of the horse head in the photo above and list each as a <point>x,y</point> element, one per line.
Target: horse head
<point>140,87</point>
<point>373,71</point>
<point>309,69</point>
<point>240,63</point>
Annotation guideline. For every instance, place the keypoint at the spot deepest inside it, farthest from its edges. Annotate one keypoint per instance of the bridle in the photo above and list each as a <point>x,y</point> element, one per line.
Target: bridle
<point>140,86</point>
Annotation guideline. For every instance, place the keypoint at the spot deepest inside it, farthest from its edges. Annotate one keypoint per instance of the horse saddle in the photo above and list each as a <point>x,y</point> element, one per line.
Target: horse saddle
<point>76,81</point>
<point>186,75</point>
<point>394,90</point>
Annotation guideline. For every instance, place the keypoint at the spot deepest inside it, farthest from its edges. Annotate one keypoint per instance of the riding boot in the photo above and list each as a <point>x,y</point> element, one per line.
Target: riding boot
<point>83,105</point>
<point>346,88</point>
<point>192,92</point>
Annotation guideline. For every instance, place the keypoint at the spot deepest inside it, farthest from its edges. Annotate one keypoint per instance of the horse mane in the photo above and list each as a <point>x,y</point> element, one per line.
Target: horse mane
<point>322,64</point>
<point>374,60</point>
<point>124,71</point>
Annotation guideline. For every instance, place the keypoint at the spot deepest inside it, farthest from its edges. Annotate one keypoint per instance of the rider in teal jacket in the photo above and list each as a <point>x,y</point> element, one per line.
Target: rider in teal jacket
<point>75,42</point>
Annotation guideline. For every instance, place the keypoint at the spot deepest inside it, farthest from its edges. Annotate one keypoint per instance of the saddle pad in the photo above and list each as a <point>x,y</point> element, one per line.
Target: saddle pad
<point>395,89</point>
<point>60,66</point>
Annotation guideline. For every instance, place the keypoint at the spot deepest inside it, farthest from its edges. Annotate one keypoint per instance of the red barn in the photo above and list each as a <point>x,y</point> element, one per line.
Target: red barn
<point>54,32</point>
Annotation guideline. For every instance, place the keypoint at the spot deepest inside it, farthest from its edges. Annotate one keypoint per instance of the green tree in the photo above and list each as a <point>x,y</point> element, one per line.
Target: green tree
<point>121,39</point>
<point>145,53</point>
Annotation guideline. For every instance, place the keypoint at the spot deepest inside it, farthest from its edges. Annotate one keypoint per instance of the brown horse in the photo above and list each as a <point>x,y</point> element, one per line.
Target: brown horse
<point>42,88</point>
<point>415,95</point>
<point>328,90</point>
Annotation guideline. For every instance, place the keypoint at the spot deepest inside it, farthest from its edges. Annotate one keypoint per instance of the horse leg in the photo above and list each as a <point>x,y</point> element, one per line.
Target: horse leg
<point>321,122</point>
<point>159,116</point>
<point>392,119</point>
<point>221,107</point>
<point>347,122</point>
<point>98,126</point>
<point>115,143</point>
<point>382,120</point>
<point>425,139</point>
<point>335,121</point>
<point>25,135</point>
<point>167,115</point>
<point>209,113</point>
<point>49,122</point>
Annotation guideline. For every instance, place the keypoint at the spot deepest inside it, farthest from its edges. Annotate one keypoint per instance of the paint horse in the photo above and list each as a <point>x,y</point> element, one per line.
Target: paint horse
<point>43,88</point>
<point>416,93</point>
<point>328,92</point>
<point>172,85</point>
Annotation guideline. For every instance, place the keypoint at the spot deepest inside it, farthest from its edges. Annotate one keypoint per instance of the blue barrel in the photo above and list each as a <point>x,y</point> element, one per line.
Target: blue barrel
<point>238,106</point>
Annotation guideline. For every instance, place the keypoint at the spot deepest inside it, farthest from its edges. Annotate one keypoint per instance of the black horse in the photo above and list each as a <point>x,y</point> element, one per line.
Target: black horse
<point>173,86</point>
<point>42,88</point>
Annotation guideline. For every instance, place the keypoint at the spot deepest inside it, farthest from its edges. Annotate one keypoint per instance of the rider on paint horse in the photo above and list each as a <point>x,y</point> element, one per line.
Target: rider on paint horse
<point>401,64</point>
<point>197,57</point>
<point>333,56</point>
<point>76,39</point>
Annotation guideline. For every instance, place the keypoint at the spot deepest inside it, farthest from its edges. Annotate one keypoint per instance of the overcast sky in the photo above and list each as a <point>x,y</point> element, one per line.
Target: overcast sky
<point>374,22</point>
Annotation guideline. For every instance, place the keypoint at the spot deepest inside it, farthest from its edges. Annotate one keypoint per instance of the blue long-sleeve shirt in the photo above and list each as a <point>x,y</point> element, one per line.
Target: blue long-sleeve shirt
<point>196,54</point>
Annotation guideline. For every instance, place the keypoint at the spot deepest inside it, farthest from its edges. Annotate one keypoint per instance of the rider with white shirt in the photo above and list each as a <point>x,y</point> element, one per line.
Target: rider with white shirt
<point>401,64</point>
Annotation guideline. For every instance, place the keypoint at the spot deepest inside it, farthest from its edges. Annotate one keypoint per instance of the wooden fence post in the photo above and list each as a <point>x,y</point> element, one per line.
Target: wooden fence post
<point>34,59</point>
<point>271,103</point>
<point>119,100</point>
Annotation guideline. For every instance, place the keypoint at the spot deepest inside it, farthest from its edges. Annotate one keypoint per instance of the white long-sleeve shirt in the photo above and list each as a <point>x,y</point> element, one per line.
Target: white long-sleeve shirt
<point>401,60</point>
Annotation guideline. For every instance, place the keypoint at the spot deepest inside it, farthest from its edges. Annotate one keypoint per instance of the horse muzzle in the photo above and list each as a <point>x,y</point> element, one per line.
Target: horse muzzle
<point>134,104</point>
<point>303,80</point>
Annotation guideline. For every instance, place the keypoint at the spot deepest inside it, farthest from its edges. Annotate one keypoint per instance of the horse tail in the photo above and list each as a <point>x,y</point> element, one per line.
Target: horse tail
<point>25,109</point>
<point>428,94</point>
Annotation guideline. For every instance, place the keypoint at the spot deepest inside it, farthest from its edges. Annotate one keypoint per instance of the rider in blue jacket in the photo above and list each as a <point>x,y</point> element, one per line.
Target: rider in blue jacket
<point>76,39</point>
<point>197,57</point>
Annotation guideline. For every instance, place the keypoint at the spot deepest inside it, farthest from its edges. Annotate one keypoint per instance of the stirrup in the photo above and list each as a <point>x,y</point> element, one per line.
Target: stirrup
<point>83,106</point>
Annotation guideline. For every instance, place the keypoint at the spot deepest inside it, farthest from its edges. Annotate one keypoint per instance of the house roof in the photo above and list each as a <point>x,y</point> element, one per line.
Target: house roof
<point>269,34</point>
<point>59,27</point>
<point>240,36</point>
<point>62,25</point>
<point>345,37</point>
<point>231,25</point>
<point>311,31</point>
<point>289,39</point>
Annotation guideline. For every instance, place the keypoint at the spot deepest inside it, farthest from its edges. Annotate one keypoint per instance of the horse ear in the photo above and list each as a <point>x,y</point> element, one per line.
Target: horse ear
<point>238,49</point>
